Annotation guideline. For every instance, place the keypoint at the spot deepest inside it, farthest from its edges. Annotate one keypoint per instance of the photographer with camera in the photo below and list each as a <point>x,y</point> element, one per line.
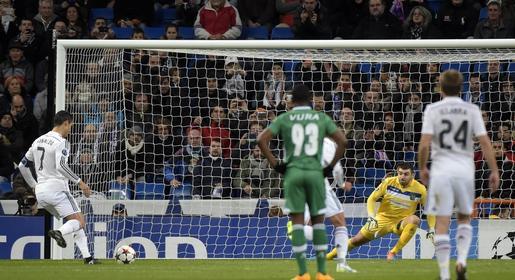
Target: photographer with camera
<point>311,21</point>
<point>101,31</point>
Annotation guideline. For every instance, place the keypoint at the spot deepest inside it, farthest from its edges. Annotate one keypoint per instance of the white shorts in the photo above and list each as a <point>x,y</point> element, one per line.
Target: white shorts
<point>59,203</point>
<point>333,206</point>
<point>446,192</point>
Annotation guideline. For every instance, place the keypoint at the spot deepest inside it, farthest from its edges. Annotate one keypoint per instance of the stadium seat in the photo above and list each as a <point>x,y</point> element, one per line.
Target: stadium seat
<point>257,33</point>
<point>483,13</point>
<point>106,13</point>
<point>463,67</point>
<point>187,33</point>
<point>149,191</point>
<point>5,187</point>
<point>377,174</point>
<point>289,68</point>
<point>154,32</point>
<point>169,15</point>
<point>279,33</point>
<point>511,67</point>
<point>365,67</point>
<point>434,5</point>
<point>122,32</point>
<point>481,67</point>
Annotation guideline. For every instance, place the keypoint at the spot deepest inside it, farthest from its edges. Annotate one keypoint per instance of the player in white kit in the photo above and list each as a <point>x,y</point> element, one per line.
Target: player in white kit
<point>334,209</point>
<point>448,128</point>
<point>50,153</point>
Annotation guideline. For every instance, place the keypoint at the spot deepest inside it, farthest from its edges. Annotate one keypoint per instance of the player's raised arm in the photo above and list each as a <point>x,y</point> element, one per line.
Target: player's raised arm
<point>24,168</point>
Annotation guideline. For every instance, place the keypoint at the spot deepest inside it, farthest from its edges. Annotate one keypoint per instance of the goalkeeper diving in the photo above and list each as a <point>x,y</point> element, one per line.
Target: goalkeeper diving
<point>400,195</point>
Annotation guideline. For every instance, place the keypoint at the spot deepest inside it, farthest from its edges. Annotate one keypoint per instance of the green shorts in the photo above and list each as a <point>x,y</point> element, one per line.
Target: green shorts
<point>304,186</point>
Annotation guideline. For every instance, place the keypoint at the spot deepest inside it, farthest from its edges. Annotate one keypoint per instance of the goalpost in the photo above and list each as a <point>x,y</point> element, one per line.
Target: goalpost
<point>169,204</point>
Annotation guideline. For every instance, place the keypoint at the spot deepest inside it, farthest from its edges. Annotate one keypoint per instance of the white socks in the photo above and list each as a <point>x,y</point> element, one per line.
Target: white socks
<point>341,238</point>
<point>69,227</point>
<point>82,243</point>
<point>463,240</point>
<point>443,251</point>
<point>308,232</point>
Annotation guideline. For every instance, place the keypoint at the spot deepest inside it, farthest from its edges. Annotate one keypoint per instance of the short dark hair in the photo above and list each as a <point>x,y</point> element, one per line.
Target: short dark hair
<point>301,93</point>
<point>62,116</point>
<point>405,165</point>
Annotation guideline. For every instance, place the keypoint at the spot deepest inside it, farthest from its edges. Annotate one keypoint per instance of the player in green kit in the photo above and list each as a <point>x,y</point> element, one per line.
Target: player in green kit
<point>303,130</point>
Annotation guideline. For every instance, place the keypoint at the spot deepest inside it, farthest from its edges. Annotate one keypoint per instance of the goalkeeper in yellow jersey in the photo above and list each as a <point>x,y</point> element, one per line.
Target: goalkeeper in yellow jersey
<point>400,196</point>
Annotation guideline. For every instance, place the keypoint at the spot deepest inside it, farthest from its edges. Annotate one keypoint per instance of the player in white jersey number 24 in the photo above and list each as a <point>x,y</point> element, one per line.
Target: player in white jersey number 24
<point>49,154</point>
<point>449,128</point>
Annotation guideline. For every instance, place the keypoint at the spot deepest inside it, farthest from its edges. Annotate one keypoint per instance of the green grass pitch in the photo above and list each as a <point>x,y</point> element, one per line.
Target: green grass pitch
<point>239,269</point>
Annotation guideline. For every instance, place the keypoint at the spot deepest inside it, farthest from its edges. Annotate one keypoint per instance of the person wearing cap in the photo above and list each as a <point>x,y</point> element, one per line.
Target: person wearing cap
<point>17,65</point>
<point>218,20</point>
<point>494,26</point>
<point>119,210</point>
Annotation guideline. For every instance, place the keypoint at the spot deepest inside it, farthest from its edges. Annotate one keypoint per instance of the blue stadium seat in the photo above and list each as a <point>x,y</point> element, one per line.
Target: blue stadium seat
<point>279,33</point>
<point>289,68</point>
<point>463,67</point>
<point>481,67</point>
<point>149,191</point>
<point>511,67</point>
<point>365,67</point>
<point>257,33</point>
<point>154,32</point>
<point>375,173</point>
<point>187,33</point>
<point>5,187</point>
<point>169,15</point>
<point>106,13</point>
<point>483,13</point>
<point>434,5</point>
<point>122,32</point>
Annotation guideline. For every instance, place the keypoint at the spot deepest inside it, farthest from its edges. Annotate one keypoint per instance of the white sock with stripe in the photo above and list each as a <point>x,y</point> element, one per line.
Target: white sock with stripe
<point>463,240</point>
<point>69,227</point>
<point>442,252</point>
<point>341,238</point>
<point>82,243</point>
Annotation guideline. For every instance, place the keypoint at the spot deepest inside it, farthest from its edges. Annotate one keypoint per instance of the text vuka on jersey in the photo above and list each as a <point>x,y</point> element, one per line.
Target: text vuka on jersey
<point>302,117</point>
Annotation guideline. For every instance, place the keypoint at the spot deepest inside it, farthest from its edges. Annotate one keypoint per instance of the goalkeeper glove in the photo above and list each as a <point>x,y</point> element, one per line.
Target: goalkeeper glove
<point>431,236</point>
<point>372,223</point>
<point>280,167</point>
<point>328,171</point>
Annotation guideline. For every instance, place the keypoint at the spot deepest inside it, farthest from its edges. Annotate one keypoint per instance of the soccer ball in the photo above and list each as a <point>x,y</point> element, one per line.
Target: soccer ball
<point>504,246</point>
<point>125,255</point>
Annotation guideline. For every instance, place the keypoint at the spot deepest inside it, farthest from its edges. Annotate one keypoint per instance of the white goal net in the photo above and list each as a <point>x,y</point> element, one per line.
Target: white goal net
<point>166,137</point>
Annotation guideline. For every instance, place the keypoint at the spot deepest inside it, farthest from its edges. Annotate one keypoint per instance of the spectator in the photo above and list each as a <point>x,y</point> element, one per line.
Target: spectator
<point>212,177</point>
<point>343,95</point>
<point>418,25</point>
<point>45,19</point>
<point>89,170</point>
<point>287,10</point>
<point>353,12</point>
<point>40,109</point>
<point>208,97</point>
<point>256,13</point>
<point>161,145</point>
<point>8,29</point>
<point>495,26</point>
<point>13,138</point>
<point>17,65</point>
<point>138,34</point>
<point>369,110</point>
<point>178,173</point>
<point>89,140</point>
<point>256,179</point>
<point>380,24</point>
<point>503,109</point>
<point>311,21</point>
<point>30,43</point>
<point>412,122</point>
<point>187,11</point>
<point>24,120</point>
<point>346,121</point>
<point>247,141</point>
<point>119,211</point>
<point>475,94</point>
<point>456,19</point>
<point>75,23</point>
<point>13,86</point>
<point>171,32</point>
<point>133,13</point>
<point>491,84</point>
<point>216,129</point>
<point>100,30</point>
<point>131,158</point>
<point>504,134</point>
<point>275,86</point>
<point>238,116</point>
<point>378,156</point>
<point>141,114</point>
<point>234,78</point>
<point>217,20</point>
<point>6,160</point>
<point>109,133</point>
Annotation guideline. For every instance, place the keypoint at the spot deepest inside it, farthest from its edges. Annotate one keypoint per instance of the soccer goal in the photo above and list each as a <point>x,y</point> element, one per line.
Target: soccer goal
<point>165,135</point>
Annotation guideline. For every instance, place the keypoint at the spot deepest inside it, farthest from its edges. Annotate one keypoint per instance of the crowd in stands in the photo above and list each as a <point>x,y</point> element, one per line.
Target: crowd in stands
<point>190,123</point>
